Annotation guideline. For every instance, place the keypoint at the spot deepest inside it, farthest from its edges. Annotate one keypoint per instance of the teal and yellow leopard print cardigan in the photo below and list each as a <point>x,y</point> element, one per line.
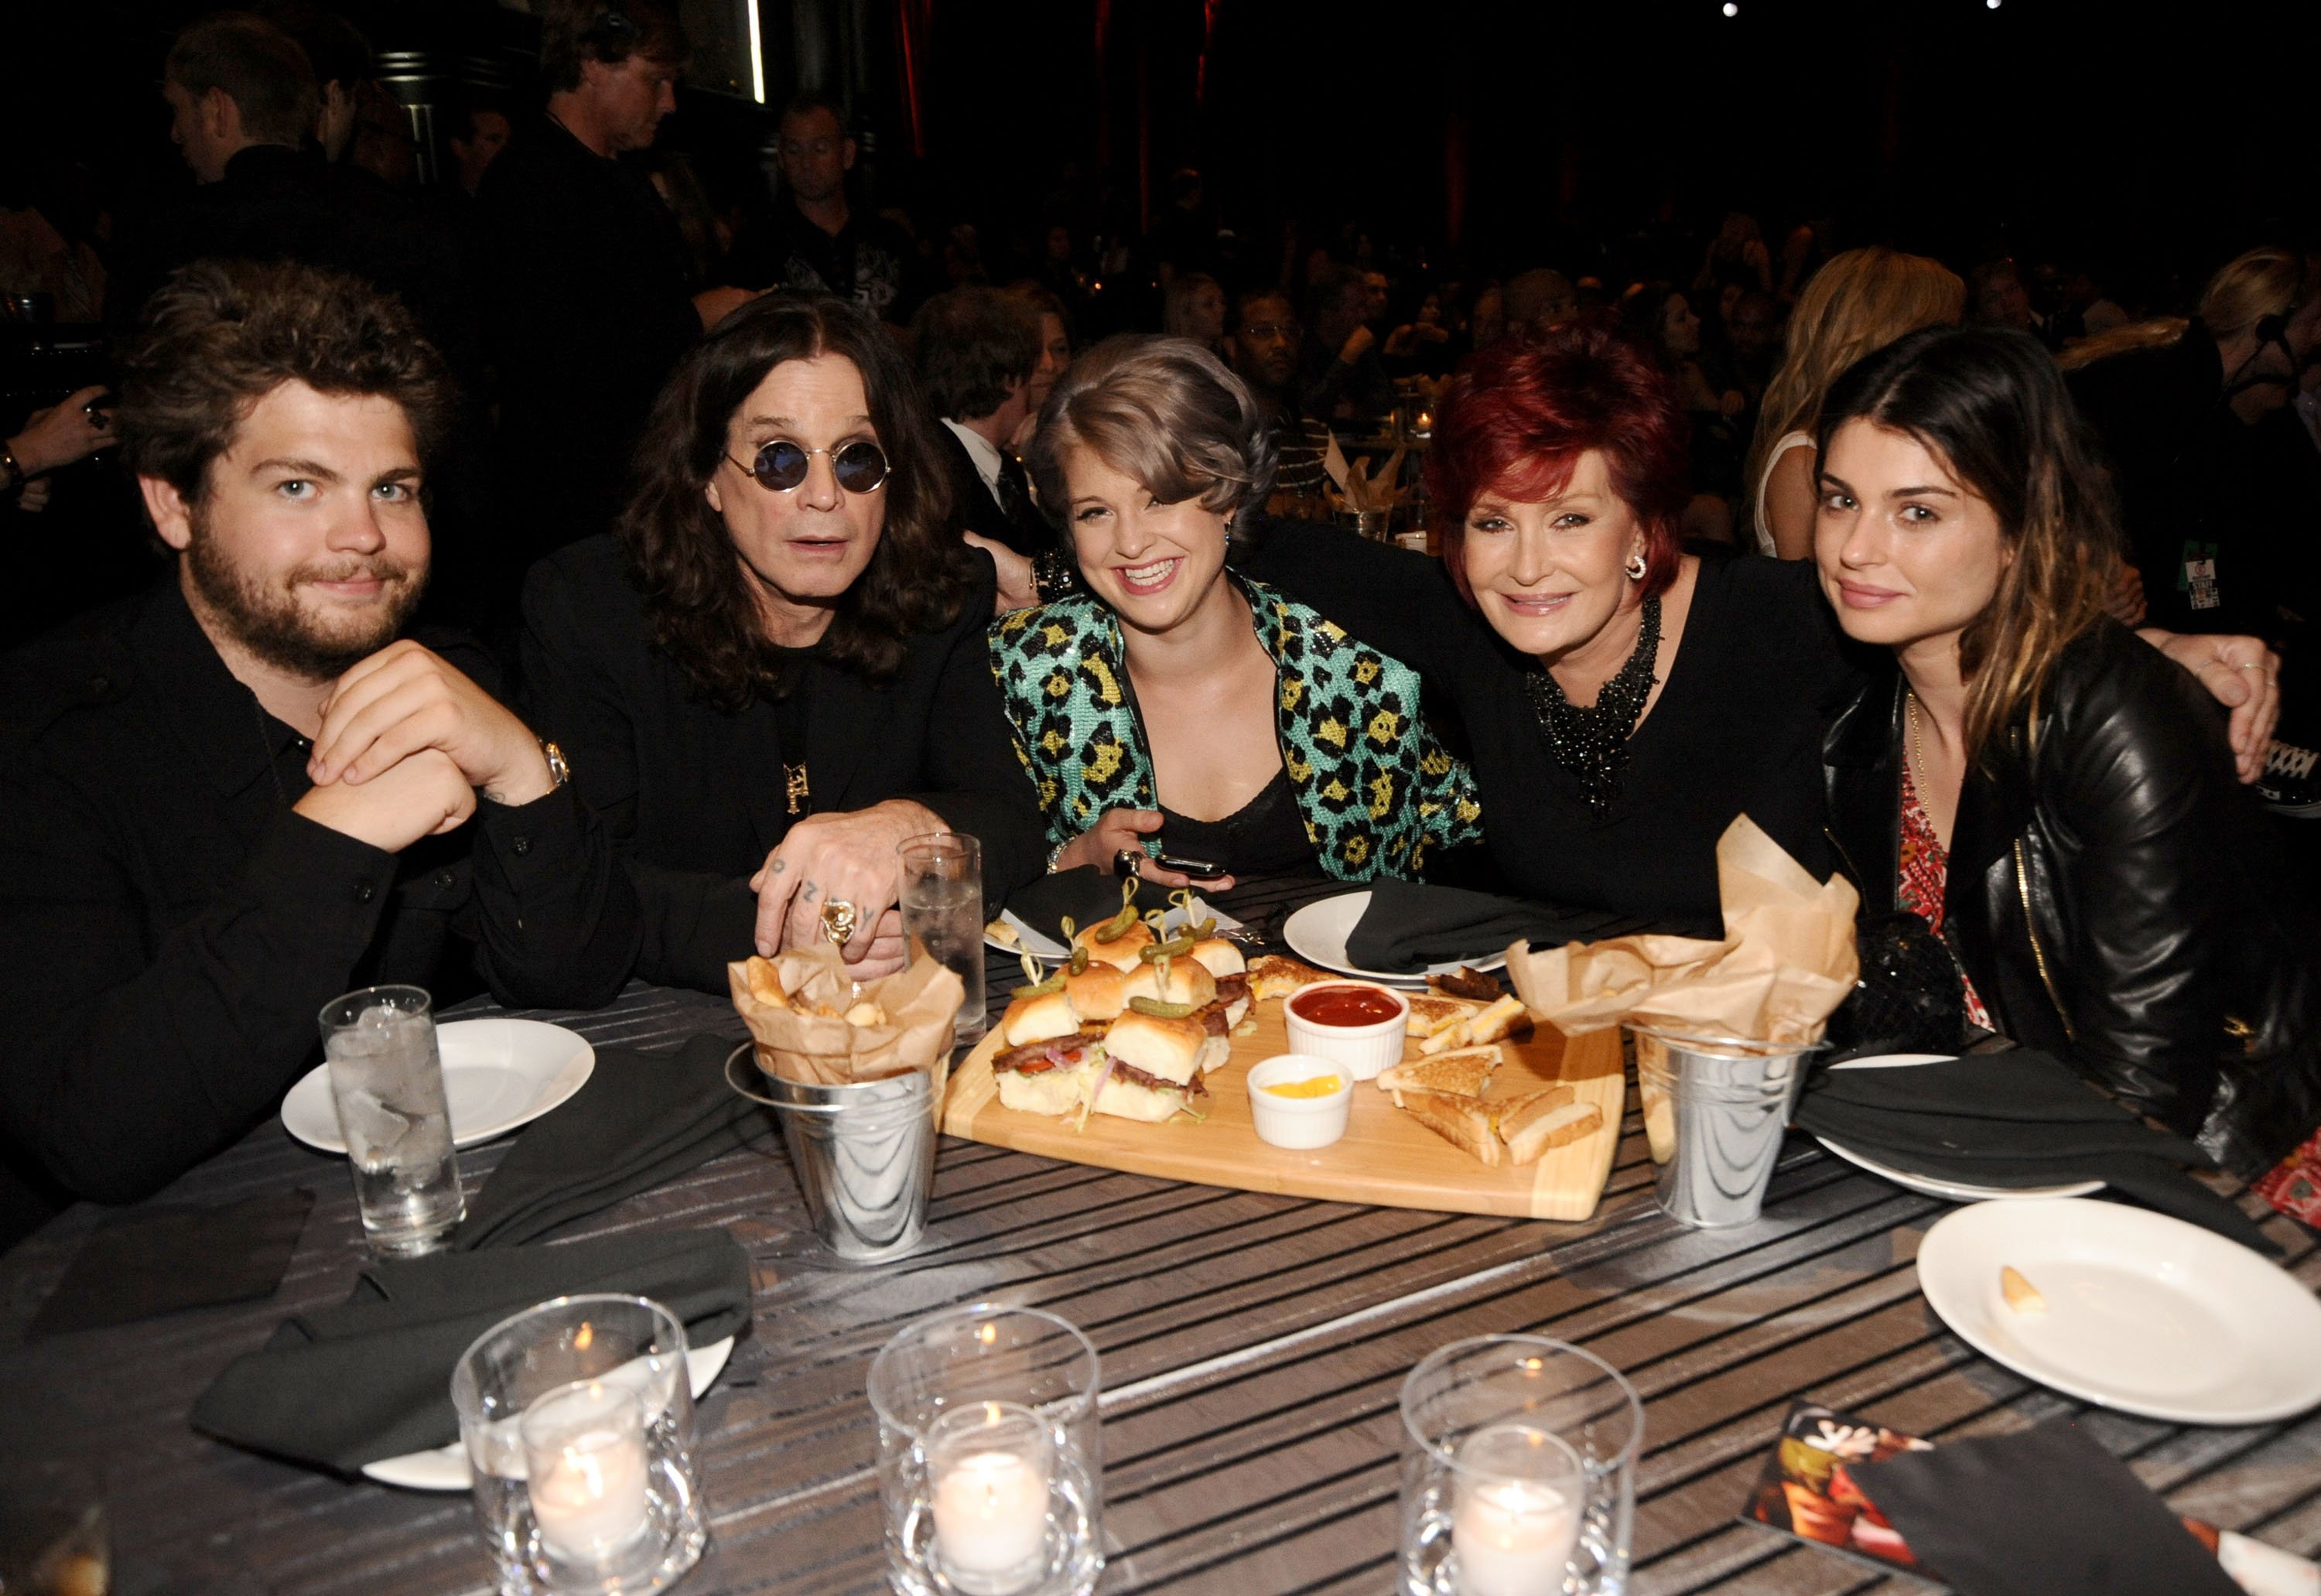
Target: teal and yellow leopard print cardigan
<point>1375,788</point>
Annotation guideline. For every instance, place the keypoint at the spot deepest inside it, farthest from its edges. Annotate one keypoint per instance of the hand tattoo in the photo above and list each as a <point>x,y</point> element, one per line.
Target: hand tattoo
<point>807,896</point>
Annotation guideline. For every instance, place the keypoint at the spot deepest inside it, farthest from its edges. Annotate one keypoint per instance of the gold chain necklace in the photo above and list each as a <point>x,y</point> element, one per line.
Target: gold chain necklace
<point>1917,747</point>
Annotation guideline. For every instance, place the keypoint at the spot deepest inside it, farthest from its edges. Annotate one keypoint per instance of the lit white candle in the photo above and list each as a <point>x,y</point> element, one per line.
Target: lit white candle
<point>1512,1530</point>
<point>991,1466</point>
<point>586,1471</point>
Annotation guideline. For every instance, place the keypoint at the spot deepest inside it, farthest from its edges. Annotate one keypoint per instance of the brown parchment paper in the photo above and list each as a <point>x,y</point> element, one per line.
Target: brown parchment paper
<point>795,1011</point>
<point>1786,961</point>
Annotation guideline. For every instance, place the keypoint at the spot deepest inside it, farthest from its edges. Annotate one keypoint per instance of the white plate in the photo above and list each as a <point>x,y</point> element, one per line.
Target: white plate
<point>446,1467</point>
<point>1048,950</point>
<point>2144,1313</point>
<point>1896,1061</point>
<point>1317,934</point>
<point>1957,1190</point>
<point>1932,1185</point>
<point>497,1073</point>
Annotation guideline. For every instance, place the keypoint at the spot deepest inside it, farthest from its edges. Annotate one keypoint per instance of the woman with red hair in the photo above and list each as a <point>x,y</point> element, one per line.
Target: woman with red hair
<point>1626,699</point>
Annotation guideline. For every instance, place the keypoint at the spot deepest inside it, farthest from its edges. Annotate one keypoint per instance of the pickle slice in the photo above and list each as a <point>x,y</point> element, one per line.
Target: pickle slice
<point>1176,947</point>
<point>1116,927</point>
<point>1159,1010</point>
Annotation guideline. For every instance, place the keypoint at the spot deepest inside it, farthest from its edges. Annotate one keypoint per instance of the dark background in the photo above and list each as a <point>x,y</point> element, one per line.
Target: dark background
<point>2154,142</point>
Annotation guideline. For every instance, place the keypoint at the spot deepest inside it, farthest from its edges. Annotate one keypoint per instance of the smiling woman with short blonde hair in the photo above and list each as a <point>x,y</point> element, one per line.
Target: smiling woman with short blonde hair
<point>1180,706</point>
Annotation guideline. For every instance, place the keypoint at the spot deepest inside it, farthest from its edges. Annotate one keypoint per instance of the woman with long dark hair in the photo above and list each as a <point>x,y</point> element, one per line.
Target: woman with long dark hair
<point>2045,791</point>
<point>773,671</point>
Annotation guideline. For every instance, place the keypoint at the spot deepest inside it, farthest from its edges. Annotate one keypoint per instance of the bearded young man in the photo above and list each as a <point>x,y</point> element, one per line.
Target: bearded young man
<point>225,802</point>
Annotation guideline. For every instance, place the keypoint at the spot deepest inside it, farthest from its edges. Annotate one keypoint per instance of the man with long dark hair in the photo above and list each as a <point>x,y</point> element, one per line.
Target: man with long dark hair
<point>774,671</point>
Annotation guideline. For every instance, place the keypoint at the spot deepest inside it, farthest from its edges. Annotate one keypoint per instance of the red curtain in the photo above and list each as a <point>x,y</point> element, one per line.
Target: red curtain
<point>913,36</point>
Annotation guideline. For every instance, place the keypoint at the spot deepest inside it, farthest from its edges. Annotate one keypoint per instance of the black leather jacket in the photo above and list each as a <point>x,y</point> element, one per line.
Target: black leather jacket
<point>2113,896</point>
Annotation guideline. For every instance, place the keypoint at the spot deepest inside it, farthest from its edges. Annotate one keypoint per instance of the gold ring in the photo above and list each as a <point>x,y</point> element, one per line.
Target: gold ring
<point>838,918</point>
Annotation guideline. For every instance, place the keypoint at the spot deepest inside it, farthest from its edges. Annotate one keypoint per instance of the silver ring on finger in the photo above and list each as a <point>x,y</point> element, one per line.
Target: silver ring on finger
<point>1127,861</point>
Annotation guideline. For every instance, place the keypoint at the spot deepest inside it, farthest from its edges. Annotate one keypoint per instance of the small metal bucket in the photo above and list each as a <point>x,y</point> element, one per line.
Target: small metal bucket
<point>1726,1102</point>
<point>864,1154</point>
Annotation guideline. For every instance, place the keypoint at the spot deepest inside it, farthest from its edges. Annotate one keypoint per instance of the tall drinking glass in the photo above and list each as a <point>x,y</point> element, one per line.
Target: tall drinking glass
<point>1518,1470</point>
<point>387,1083</point>
<point>942,915</point>
<point>990,1455</point>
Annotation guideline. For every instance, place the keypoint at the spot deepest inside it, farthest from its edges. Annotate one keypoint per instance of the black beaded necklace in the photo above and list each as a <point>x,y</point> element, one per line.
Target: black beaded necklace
<point>1592,744</point>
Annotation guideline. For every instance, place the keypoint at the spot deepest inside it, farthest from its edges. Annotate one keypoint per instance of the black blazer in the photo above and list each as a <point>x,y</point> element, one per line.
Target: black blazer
<point>975,509</point>
<point>694,796</point>
<point>2112,895</point>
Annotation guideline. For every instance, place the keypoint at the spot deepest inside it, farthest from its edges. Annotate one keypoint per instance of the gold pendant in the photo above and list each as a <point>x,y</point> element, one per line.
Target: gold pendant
<point>795,782</point>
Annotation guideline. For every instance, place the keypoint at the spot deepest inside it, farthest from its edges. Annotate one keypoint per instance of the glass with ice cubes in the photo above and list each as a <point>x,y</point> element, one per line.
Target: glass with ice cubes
<point>387,1083</point>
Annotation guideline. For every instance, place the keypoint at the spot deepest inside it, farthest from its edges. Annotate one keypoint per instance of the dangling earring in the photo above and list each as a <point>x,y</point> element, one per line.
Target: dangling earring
<point>1635,567</point>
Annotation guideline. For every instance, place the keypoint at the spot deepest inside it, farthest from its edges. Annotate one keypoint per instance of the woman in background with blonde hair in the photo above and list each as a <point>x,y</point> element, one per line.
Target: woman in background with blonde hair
<point>1862,300</point>
<point>1193,306</point>
<point>2217,485</point>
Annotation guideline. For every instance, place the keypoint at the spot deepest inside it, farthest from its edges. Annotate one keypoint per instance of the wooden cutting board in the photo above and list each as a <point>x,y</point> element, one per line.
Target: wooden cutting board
<point>1385,1158</point>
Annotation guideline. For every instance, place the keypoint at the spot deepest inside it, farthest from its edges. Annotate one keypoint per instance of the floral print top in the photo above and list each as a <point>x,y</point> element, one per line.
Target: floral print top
<point>1924,873</point>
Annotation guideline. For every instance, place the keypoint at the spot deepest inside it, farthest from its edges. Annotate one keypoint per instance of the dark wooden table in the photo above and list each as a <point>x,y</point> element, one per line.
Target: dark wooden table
<point>1253,1347</point>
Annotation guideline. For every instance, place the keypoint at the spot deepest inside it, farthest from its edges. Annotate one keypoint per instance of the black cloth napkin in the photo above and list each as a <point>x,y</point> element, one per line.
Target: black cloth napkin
<point>641,1119</point>
<point>1409,925</point>
<point>372,1378</point>
<point>162,1259</point>
<point>2047,1512</point>
<point>2014,1119</point>
<point>1088,895</point>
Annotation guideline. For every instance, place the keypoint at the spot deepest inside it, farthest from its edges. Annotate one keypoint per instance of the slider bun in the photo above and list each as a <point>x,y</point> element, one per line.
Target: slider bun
<point>1098,992</point>
<point>1038,1019</point>
<point>1215,1054</point>
<point>1187,983</point>
<point>1050,1091</point>
<point>1220,957</point>
<point>1120,953</point>
<point>1169,1049</point>
<point>1125,1099</point>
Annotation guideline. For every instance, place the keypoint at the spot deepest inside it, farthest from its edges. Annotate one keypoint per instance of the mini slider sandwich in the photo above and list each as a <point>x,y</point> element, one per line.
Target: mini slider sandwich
<point>1224,960</point>
<point>1187,992</point>
<point>1117,944</point>
<point>1153,1067</point>
<point>1051,1060</point>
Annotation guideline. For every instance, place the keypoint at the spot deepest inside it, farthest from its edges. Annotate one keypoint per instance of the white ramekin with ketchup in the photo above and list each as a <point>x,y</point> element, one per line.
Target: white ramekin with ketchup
<point>1350,1023</point>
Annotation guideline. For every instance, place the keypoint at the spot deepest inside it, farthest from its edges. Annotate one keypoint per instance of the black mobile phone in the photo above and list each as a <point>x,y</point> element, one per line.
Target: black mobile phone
<point>1200,869</point>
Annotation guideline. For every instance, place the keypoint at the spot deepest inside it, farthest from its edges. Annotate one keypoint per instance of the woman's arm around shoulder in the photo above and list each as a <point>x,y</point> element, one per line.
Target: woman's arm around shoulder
<point>1398,601</point>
